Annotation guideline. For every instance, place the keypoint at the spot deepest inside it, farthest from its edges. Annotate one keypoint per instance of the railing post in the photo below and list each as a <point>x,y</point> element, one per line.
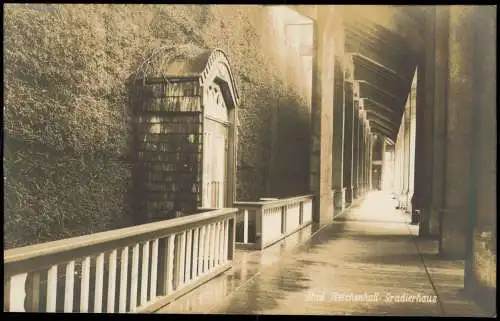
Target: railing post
<point>283,219</point>
<point>17,293</point>
<point>259,235</point>
<point>232,238</point>
<point>245,226</point>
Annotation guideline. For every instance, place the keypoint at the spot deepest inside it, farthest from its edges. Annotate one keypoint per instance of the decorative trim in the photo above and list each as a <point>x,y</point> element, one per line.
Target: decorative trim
<point>219,58</point>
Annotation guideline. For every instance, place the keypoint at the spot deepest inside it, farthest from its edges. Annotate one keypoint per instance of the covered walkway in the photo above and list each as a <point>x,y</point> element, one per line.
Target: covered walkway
<point>367,262</point>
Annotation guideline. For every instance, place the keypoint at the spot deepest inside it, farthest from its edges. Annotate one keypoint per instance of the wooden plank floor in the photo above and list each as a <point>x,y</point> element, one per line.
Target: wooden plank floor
<point>368,262</point>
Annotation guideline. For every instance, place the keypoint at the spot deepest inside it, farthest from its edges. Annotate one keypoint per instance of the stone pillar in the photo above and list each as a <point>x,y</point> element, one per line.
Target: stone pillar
<point>440,44</point>
<point>419,137</point>
<point>458,133</point>
<point>366,162</point>
<point>370,158</point>
<point>480,267</point>
<point>322,117</point>
<point>426,131</point>
<point>406,155</point>
<point>362,150</point>
<point>355,153</point>
<point>348,142</point>
<point>338,139</point>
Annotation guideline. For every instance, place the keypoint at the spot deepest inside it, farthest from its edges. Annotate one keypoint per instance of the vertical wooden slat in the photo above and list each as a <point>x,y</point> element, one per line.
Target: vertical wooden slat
<point>154,270</point>
<point>145,272</point>
<point>231,238</point>
<point>222,241</point>
<point>69,287</point>
<point>169,266</point>
<point>99,283</point>
<point>134,278</point>
<point>245,226</point>
<point>218,243</point>
<point>17,293</point>
<point>213,247</point>
<point>52,289</point>
<point>35,298</point>
<point>123,280</point>
<point>182,258</point>
<point>208,248</point>
<point>195,252</point>
<point>226,233</point>
<point>85,286</point>
<point>112,281</point>
<point>188,264</point>
<point>201,262</point>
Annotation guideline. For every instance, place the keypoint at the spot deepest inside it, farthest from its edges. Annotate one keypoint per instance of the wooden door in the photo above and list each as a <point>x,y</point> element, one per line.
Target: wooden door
<point>215,164</point>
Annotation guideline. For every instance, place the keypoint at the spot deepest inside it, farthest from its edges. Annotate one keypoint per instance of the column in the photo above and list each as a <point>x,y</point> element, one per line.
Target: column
<point>362,153</point>
<point>338,139</point>
<point>322,118</point>
<point>348,142</point>
<point>355,153</point>
<point>370,158</point>
<point>426,131</point>
<point>458,133</point>
<point>480,268</point>
<point>439,116</point>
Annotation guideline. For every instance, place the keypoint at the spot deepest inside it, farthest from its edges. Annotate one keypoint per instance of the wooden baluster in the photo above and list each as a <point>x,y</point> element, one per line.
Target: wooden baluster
<point>169,266</point>
<point>206,254</point>
<point>134,278</point>
<point>226,239</point>
<point>144,273</point>
<point>99,283</point>
<point>216,244</point>
<point>221,242</point>
<point>201,252</point>
<point>52,289</point>
<point>154,270</point>
<point>17,292</point>
<point>245,226</point>
<point>188,264</point>
<point>85,287</point>
<point>212,248</point>
<point>112,281</point>
<point>195,252</point>
<point>69,287</point>
<point>123,280</point>
<point>182,258</point>
<point>35,298</point>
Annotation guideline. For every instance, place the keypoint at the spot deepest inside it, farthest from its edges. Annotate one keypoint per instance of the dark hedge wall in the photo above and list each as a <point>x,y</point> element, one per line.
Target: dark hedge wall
<point>67,143</point>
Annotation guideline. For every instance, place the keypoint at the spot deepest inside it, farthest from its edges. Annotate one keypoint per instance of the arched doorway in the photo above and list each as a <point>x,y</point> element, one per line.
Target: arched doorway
<point>187,131</point>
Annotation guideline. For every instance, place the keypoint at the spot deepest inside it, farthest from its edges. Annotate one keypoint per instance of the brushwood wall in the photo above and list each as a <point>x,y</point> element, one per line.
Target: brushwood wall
<point>67,169</point>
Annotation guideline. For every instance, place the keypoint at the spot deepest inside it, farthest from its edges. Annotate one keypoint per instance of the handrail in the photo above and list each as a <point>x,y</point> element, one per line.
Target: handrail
<point>265,222</point>
<point>105,240</point>
<point>150,264</point>
<point>273,203</point>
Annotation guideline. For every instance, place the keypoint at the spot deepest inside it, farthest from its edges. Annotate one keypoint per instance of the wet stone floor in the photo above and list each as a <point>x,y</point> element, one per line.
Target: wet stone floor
<point>367,262</point>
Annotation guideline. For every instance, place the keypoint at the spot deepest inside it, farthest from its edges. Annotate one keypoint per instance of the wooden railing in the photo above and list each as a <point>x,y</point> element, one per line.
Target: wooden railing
<point>135,269</point>
<point>261,224</point>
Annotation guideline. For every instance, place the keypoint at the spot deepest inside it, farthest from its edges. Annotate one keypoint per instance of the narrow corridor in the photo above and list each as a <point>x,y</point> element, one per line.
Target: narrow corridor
<point>367,262</point>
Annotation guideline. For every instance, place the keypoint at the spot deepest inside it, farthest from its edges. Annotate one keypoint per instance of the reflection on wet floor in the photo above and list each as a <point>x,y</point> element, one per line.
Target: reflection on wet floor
<point>246,265</point>
<point>367,262</point>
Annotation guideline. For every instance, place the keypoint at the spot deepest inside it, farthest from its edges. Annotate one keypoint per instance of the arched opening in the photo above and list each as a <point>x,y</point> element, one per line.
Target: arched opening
<point>186,123</point>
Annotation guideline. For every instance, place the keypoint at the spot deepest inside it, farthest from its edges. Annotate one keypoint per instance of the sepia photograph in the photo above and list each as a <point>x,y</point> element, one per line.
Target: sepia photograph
<point>250,159</point>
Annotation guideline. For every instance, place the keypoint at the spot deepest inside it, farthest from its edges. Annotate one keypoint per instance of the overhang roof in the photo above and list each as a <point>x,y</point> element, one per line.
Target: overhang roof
<point>384,45</point>
<point>384,42</point>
